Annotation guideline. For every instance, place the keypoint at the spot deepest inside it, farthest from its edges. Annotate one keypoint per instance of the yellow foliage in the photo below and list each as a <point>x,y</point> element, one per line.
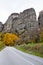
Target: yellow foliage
<point>10,38</point>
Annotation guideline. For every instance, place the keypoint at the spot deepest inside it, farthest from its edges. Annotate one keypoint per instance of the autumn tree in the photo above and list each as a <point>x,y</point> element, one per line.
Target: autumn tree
<point>10,38</point>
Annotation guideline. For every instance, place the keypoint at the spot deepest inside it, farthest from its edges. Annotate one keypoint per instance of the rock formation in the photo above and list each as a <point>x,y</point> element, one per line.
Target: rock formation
<point>8,24</point>
<point>1,26</point>
<point>40,20</point>
<point>24,24</point>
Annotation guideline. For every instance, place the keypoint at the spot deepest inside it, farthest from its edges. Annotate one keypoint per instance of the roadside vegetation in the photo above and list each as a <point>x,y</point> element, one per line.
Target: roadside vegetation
<point>7,39</point>
<point>31,47</point>
<point>2,46</point>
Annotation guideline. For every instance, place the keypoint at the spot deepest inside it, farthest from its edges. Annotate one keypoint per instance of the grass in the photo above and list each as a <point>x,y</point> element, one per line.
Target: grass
<point>32,48</point>
<point>2,46</point>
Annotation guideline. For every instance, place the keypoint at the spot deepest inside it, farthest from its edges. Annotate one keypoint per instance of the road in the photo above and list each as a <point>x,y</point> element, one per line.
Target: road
<point>12,56</point>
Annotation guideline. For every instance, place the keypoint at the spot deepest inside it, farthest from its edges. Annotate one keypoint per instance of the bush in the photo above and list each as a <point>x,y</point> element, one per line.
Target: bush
<point>10,38</point>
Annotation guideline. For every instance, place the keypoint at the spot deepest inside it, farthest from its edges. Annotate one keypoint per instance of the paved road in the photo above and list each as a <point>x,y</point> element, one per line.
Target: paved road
<point>12,56</point>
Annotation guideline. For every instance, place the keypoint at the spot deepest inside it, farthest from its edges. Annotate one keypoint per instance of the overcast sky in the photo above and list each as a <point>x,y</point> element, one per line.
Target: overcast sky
<point>10,6</point>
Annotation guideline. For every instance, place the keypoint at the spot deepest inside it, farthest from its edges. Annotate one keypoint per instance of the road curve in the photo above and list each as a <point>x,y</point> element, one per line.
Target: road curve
<point>12,56</point>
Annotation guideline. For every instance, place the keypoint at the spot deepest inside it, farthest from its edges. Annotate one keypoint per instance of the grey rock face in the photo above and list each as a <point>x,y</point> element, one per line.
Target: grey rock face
<point>24,24</point>
<point>26,20</point>
<point>1,27</point>
<point>9,22</point>
<point>40,19</point>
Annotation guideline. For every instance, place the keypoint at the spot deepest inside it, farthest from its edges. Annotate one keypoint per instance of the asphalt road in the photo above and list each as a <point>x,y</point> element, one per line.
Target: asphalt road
<point>12,56</point>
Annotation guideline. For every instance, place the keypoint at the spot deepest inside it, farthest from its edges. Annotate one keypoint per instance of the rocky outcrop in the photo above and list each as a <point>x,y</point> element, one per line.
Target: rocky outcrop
<point>1,26</point>
<point>20,22</point>
<point>9,22</point>
<point>40,20</point>
<point>24,24</point>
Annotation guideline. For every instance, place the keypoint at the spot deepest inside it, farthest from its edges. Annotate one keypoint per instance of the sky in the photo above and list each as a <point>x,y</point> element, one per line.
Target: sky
<point>12,6</point>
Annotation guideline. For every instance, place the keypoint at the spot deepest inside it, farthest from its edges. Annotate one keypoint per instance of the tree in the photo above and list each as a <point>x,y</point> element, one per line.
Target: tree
<point>10,38</point>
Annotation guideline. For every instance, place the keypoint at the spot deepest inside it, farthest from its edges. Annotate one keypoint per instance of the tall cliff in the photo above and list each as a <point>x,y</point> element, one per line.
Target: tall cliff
<point>24,24</point>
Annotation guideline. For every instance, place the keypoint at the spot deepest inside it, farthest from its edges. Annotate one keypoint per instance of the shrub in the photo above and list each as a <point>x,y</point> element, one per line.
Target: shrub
<point>10,38</point>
